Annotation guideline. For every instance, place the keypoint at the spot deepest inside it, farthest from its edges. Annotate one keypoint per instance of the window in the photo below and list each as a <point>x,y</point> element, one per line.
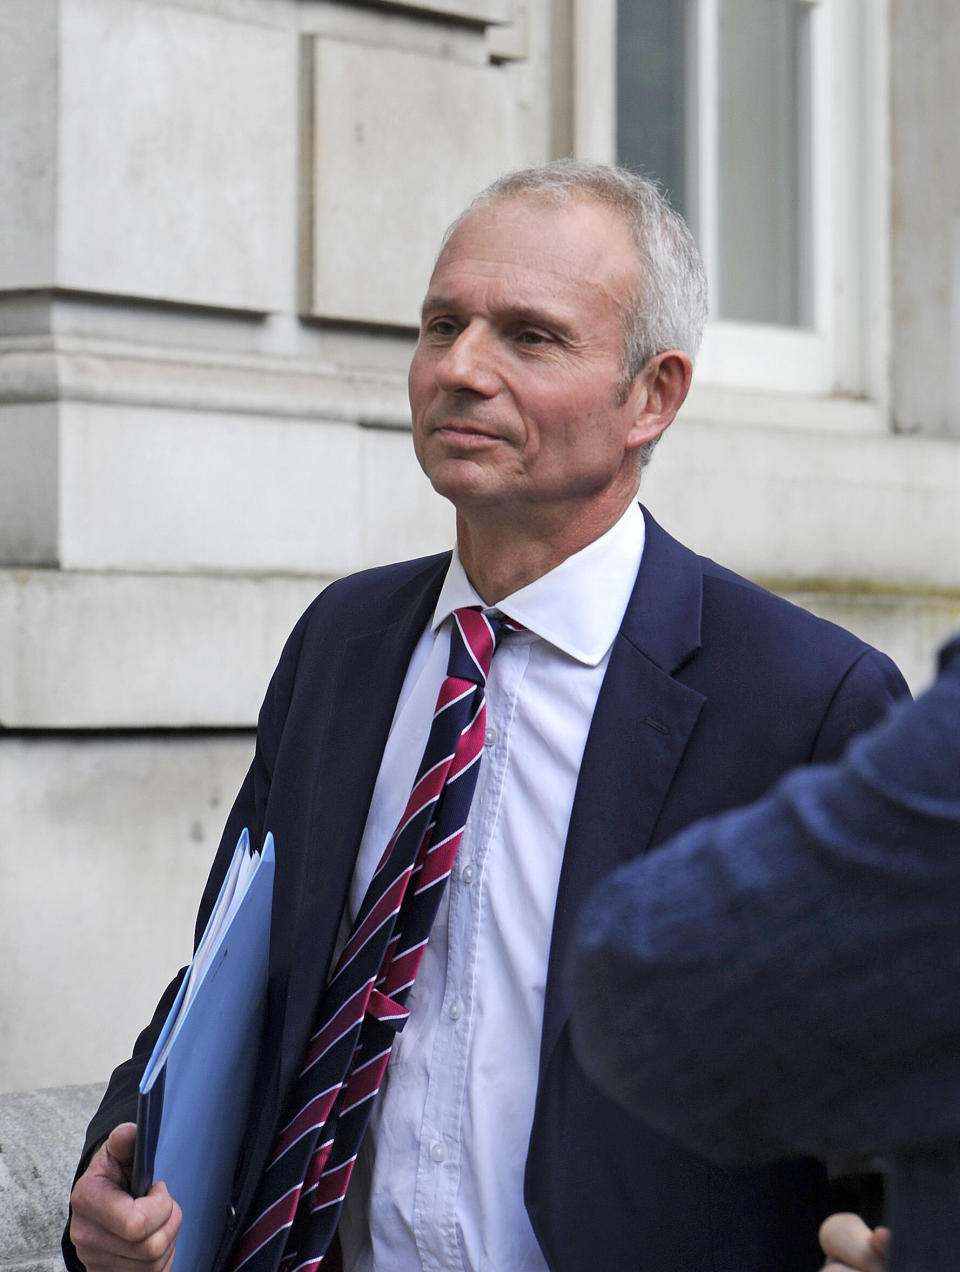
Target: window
<point>764,120</point>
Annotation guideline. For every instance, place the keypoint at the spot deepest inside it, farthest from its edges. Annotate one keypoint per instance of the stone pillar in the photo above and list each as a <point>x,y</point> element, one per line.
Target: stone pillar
<point>925,39</point>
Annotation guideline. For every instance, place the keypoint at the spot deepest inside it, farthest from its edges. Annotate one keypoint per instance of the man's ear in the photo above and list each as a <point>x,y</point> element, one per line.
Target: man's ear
<point>661,388</point>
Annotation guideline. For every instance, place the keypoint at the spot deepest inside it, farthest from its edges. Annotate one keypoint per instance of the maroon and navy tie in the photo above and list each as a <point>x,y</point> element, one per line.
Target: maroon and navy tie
<point>298,1201</point>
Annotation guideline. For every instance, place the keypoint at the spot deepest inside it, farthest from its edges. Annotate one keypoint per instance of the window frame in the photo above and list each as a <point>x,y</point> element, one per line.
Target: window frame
<point>845,352</point>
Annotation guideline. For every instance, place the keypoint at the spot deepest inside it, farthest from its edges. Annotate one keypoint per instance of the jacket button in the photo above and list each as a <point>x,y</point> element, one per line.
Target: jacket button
<point>231,1215</point>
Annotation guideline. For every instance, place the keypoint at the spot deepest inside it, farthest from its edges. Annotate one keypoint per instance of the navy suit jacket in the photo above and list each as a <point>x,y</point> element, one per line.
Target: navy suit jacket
<point>714,689</point>
<point>819,933</point>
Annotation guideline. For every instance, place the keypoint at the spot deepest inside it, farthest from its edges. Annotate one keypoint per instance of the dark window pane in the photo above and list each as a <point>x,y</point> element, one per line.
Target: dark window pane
<point>652,92</point>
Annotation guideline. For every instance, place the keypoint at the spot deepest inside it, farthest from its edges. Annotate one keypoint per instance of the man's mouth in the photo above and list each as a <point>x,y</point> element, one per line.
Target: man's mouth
<point>461,430</point>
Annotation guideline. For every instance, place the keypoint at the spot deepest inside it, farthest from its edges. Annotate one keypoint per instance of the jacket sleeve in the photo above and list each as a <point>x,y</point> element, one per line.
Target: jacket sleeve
<point>119,1103</point>
<point>785,978</point>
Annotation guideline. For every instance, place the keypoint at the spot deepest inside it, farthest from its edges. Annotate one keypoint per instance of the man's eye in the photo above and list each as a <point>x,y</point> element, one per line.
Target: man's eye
<point>442,327</point>
<point>530,337</point>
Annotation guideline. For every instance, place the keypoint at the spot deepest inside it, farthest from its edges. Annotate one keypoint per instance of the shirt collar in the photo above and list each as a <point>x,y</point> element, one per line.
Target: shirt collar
<point>577,606</point>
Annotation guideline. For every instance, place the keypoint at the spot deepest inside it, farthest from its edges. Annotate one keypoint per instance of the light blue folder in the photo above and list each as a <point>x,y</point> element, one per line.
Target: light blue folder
<point>195,1091</point>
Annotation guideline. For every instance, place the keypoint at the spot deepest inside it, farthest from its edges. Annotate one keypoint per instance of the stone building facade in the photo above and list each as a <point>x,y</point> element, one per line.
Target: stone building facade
<point>217,222</point>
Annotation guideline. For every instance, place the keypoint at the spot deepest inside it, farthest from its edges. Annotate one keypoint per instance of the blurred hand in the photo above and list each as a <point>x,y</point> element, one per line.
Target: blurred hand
<point>850,1246</point>
<point>112,1230</point>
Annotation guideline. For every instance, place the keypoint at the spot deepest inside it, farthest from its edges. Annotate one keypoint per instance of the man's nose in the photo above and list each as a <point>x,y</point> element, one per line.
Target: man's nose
<point>469,364</point>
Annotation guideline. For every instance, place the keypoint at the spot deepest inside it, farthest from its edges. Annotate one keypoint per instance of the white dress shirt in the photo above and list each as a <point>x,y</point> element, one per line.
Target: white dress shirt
<point>438,1186</point>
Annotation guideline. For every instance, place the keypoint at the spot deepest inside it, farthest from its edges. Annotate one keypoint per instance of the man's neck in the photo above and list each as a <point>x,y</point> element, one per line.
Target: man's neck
<point>500,558</point>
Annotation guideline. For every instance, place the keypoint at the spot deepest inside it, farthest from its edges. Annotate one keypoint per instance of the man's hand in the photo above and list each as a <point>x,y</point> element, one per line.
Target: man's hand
<point>112,1230</point>
<point>850,1246</point>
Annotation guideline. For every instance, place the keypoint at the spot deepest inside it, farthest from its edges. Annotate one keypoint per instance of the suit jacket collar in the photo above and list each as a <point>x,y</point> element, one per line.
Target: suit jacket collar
<point>664,614</point>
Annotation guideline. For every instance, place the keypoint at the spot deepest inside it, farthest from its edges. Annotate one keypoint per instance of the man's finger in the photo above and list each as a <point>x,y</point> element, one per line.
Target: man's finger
<point>141,1238</point>
<point>880,1240</point>
<point>113,1231</point>
<point>107,1221</point>
<point>848,1244</point>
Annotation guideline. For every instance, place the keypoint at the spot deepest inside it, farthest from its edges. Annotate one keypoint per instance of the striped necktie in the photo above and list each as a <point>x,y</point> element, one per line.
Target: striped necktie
<point>299,1197</point>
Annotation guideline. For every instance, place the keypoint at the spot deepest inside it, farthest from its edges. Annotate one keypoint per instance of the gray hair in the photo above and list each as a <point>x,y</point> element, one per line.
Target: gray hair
<point>669,305</point>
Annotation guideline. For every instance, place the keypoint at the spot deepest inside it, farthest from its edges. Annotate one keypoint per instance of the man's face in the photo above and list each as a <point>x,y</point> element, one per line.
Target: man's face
<point>515,382</point>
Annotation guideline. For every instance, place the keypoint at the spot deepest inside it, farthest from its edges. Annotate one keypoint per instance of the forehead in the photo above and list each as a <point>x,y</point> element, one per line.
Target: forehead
<point>579,252</point>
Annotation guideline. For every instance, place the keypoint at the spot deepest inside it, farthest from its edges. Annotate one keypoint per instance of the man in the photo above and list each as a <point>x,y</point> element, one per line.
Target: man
<point>817,933</point>
<point>648,687</point>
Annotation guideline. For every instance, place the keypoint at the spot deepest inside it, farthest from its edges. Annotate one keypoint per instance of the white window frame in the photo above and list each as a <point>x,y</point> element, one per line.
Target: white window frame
<point>845,351</point>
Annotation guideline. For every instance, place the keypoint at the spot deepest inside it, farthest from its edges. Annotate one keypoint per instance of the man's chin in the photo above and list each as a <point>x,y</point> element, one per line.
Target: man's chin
<point>464,482</point>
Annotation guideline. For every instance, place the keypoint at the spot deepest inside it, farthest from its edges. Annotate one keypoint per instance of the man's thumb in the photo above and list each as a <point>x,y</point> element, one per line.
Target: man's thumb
<point>119,1148</point>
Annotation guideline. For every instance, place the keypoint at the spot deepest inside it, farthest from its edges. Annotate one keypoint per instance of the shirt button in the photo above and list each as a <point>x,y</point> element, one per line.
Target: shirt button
<point>469,873</point>
<point>456,1010</point>
<point>490,737</point>
<point>438,1152</point>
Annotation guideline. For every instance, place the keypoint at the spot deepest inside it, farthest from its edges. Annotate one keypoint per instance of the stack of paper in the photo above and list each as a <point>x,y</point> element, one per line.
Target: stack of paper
<point>196,1088</point>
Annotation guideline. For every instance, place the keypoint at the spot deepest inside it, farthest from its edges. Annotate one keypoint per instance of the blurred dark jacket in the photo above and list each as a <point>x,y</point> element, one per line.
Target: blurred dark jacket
<point>785,978</point>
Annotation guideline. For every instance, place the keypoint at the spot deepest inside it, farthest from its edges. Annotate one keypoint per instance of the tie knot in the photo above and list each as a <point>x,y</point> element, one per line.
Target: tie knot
<point>502,625</point>
<point>473,639</point>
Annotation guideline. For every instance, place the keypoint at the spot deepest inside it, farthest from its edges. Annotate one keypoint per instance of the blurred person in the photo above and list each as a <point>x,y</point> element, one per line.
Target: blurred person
<point>785,978</point>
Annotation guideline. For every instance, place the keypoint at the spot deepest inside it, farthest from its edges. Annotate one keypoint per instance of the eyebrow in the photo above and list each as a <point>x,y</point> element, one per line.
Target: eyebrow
<point>434,304</point>
<point>515,313</point>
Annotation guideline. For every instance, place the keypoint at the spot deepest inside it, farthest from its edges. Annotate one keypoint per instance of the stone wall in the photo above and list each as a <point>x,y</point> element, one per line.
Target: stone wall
<point>217,223</point>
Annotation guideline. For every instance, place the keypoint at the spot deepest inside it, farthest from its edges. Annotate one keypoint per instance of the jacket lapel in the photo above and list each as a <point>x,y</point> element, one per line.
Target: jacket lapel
<point>339,774</point>
<point>641,725</point>
<point>368,677</point>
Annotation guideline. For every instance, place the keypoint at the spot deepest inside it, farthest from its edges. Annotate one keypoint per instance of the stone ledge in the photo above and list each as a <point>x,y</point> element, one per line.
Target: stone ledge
<point>87,650</point>
<point>95,485</point>
<point>780,502</point>
<point>40,369</point>
<point>107,651</point>
<point>41,1133</point>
